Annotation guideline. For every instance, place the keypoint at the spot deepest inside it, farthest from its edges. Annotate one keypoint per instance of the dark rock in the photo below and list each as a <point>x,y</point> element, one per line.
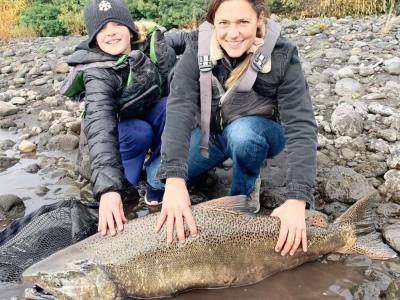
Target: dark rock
<point>346,185</point>
<point>366,291</point>
<point>11,207</point>
<point>6,144</point>
<point>63,142</point>
<point>394,268</point>
<point>392,235</point>
<point>393,291</point>
<point>7,123</point>
<point>335,209</point>
<point>371,168</point>
<point>33,168</point>
<point>388,209</point>
<point>381,279</point>
<point>7,162</point>
<point>41,190</point>
<point>356,260</point>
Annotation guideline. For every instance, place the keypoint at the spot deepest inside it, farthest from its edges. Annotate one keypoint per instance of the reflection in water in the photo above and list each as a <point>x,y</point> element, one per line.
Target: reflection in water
<point>311,281</point>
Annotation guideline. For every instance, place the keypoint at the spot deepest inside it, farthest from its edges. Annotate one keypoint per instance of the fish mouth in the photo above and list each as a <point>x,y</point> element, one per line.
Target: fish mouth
<point>81,279</point>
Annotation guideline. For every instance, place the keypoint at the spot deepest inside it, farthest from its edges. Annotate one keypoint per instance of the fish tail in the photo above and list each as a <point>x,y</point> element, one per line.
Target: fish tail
<point>361,236</point>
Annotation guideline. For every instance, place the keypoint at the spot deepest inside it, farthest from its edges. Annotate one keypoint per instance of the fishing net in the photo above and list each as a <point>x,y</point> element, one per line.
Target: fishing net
<point>31,238</point>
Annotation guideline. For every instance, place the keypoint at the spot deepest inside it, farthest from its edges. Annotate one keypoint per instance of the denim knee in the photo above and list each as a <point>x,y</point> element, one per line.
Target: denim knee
<point>254,138</point>
<point>135,137</point>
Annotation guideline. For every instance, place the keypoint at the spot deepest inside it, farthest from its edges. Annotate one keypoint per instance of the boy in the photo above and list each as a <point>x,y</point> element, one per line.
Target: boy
<point>124,111</point>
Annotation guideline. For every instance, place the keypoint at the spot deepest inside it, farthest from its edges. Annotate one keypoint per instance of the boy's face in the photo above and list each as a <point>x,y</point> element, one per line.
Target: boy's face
<point>114,38</point>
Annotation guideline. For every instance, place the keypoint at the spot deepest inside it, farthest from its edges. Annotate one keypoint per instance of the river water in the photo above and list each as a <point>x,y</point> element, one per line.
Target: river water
<point>312,281</point>
<point>315,280</point>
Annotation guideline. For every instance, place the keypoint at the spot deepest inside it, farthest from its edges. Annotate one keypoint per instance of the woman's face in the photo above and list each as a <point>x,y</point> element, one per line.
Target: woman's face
<point>114,38</point>
<point>236,23</point>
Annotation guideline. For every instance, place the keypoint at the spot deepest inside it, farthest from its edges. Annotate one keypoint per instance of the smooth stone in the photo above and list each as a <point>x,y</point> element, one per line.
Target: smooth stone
<point>347,186</point>
<point>26,147</point>
<point>7,109</point>
<point>11,207</point>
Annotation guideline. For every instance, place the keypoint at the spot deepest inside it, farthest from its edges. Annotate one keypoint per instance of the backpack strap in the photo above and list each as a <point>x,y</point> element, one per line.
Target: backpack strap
<point>154,33</point>
<point>261,57</point>
<point>205,66</point>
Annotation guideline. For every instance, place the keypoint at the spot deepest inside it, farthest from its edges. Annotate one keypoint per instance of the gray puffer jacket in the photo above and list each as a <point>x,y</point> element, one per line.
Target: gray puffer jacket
<point>106,93</point>
<point>284,85</point>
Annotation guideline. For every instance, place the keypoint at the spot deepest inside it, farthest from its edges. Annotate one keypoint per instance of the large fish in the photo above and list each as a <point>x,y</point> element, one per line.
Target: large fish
<point>234,247</point>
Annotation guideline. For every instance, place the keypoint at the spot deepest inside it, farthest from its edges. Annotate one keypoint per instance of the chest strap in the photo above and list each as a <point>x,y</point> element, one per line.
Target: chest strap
<point>205,66</point>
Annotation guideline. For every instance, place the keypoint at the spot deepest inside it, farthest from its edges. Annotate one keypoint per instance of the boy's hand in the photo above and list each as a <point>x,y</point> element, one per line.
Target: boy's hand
<point>293,226</point>
<point>111,213</point>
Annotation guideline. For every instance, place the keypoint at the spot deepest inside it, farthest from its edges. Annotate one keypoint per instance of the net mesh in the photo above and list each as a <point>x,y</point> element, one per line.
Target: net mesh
<point>52,227</point>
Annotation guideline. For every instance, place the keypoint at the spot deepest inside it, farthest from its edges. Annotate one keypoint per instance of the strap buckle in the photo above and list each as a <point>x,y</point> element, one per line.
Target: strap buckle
<point>205,64</point>
<point>259,61</point>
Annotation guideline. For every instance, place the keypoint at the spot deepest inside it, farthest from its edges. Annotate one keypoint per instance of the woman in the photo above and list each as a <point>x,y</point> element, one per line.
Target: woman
<point>247,139</point>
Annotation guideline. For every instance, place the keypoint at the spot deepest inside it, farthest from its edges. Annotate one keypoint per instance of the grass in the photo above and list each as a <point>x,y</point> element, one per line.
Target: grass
<point>339,8</point>
<point>9,12</point>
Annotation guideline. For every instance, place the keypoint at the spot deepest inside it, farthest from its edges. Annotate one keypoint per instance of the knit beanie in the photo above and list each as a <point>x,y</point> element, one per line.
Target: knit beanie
<point>99,12</point>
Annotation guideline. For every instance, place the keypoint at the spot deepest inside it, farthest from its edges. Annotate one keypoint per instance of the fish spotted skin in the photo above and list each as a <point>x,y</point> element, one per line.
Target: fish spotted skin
<point>233,248</point>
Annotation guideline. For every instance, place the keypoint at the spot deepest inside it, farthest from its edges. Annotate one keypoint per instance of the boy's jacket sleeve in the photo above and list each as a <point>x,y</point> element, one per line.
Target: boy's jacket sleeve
<point>101,129</point>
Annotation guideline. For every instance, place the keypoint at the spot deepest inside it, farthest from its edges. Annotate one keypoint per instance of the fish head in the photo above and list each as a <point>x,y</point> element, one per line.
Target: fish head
<point>80,279</point>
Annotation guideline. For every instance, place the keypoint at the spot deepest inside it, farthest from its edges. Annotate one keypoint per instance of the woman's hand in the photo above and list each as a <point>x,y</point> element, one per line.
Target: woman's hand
<point>176,208</point>
<point>293,226</point>
<point>111,213</point>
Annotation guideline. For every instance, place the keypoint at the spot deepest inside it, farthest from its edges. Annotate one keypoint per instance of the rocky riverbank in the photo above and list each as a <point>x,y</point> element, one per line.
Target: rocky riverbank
<point>353,71</point>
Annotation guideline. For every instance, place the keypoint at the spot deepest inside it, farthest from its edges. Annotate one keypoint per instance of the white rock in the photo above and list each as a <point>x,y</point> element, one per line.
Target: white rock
<point>346,121</point>
<point>393,161</point>
<point>348,87</point>
<point>26,146</point>
<point>7,109</point>
<point>392,66</point>
<point>18,101</point>
<point>45,116</point>
<point>343,141</point>
<point>346,72</point>
<point>383,110</point>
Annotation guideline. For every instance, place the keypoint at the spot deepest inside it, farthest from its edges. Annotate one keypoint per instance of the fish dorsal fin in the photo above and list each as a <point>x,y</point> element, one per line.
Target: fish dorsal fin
<point>357,211</point>
<point>235,204</point>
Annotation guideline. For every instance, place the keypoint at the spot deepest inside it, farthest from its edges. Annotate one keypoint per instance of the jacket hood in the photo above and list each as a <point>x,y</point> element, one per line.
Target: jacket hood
<point>84,55</point>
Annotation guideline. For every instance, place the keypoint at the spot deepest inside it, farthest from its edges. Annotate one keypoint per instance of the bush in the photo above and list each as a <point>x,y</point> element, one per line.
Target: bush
<point>9,11</point>
<point>72,16</point>
<point>275,6</point>
<point>169,13</point>
<point>338,8</point>
<point>43,17</point>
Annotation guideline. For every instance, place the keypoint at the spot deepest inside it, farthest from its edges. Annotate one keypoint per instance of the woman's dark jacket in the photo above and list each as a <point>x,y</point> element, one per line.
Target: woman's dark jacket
<point>285,83</point>
<point>103,90</point>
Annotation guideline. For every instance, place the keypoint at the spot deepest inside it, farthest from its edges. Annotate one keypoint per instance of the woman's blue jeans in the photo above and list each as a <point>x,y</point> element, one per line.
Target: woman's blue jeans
<point>248,141</point>
<point>137,136</point>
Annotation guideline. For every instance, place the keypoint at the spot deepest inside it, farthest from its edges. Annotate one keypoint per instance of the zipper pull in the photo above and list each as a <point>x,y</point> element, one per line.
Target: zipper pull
<point>121,59</point>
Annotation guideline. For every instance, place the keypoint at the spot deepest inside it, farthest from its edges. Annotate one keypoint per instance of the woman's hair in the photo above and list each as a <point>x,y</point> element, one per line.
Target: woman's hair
<point>258,5</point>
<point>260,8</point>
<point>143,27</point>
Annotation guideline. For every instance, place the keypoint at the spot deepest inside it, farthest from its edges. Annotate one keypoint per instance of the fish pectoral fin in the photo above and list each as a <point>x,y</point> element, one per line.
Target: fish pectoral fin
<point>237,204</point>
